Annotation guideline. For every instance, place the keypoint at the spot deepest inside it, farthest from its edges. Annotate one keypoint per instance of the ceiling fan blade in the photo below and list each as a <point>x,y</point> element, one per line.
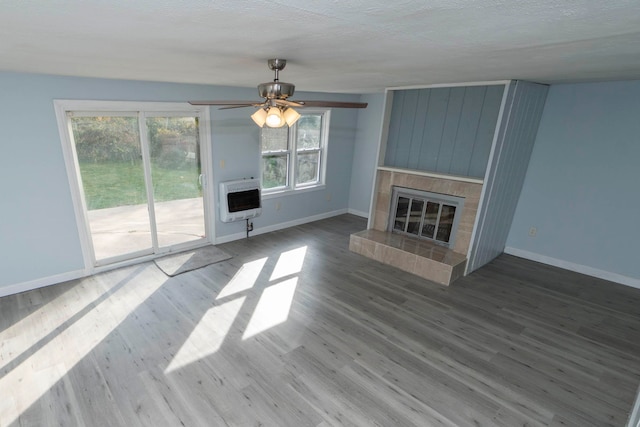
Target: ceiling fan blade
<point>229,107</point>
<point>239,103</point>
<point>286,103</point>
<point>335,104</point>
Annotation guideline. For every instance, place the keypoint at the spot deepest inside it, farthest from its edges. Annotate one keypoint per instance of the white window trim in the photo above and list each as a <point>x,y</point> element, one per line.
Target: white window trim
<point>291,187</point>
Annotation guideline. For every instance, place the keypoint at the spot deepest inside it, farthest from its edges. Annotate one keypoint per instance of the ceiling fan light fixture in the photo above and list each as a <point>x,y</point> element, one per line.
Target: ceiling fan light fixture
<point>260,117</point>
<point>291,116</point>
<point>274,118</point>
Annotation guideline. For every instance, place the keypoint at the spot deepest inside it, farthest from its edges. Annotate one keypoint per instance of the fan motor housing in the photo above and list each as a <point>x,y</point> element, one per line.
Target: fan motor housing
<point>277,90</point>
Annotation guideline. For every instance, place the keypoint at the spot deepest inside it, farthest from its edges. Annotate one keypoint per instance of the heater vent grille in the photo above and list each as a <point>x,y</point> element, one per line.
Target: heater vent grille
<point>239,200</point>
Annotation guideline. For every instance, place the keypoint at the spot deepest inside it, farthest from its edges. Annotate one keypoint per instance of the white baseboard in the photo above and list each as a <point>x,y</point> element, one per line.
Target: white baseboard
<point>280,226</point>
<point>578,268</point>
<point>40,283</point>
<point>358,213</point>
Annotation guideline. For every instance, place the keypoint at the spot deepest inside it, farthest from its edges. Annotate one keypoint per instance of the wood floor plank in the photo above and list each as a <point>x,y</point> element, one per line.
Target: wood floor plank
<point>566,397</point>
<point>414,409</point>
<point>354,400</point>
<point>95,398</point>
<point>367,348</point>
<point>351,342</point>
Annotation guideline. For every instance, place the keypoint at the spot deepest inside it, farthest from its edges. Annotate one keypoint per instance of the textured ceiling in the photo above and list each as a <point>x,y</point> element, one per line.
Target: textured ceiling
<point>331,46</point>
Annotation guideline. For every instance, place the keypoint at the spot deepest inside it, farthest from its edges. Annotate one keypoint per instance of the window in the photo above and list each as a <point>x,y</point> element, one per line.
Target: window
<point>294,157</point>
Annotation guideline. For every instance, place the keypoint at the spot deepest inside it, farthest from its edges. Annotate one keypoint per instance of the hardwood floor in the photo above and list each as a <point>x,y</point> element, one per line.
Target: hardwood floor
<point>295,330</point>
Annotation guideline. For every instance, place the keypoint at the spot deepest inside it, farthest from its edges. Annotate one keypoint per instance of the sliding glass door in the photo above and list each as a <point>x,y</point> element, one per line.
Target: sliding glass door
<point>140,180</point>
<point>177,179</point>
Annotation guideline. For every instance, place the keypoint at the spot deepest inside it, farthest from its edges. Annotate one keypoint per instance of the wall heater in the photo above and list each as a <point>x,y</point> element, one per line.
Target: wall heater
<point>239,200</point>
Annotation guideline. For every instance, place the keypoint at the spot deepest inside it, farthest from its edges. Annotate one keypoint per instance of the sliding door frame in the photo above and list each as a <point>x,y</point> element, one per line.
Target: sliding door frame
<point>142,110</point>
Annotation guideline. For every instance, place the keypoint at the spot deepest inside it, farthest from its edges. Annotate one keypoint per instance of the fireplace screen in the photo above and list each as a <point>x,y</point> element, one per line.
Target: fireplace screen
<point>425,215</point>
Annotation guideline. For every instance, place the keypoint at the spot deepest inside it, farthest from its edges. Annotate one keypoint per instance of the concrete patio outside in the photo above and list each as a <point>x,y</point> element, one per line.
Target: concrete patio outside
<point>125,229</point>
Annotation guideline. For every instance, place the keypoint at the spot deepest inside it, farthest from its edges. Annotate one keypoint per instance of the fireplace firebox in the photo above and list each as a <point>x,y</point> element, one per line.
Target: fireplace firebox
<point>425,215</point>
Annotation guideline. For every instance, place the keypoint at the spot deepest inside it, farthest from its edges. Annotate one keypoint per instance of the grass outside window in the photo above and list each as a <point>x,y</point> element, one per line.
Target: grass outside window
<point>112,184</point>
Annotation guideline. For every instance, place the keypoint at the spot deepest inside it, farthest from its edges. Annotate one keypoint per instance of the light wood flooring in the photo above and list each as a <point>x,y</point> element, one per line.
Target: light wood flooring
<point>295,330</point>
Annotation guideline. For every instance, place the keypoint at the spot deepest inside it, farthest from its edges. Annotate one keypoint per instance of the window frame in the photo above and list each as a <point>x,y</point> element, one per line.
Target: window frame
<point>291,154</point>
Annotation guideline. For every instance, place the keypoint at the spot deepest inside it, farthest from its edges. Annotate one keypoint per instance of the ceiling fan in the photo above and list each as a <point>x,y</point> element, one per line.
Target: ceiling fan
<point>277,110</point>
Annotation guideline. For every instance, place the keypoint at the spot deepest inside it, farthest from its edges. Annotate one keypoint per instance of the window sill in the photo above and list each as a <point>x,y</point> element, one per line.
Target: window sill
<point>289,192</point>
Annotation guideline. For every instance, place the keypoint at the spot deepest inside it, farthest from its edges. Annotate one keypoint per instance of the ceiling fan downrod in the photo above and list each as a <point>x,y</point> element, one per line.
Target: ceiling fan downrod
<point>276,65</point>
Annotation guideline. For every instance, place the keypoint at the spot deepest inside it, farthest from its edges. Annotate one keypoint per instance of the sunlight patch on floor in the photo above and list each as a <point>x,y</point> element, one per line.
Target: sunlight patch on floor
<point>43,369</point>
<point>289,263</point>
<point>208,335</point>
<point>272,308</point>
<point>244,279</point>
<point>40,324</point>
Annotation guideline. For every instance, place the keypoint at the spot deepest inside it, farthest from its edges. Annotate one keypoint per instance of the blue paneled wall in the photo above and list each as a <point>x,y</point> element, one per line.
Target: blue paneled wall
<point>507,168</point>
<point>447,130</point>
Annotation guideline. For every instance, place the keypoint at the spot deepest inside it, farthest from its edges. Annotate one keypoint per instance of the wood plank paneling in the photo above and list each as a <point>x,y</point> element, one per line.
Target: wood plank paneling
<point>507,169</point>
<point>466,135</point>
<point>435,116</point>
<point>486,130</point>
<point>361,344</point>
<point>447,130</point>
<point>450,130</point>
<point>394,139</point>
<point>417,133</point>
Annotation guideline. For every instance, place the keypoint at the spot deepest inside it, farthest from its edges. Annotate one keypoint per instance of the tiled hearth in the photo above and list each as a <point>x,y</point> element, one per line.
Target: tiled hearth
<point>421,257</point>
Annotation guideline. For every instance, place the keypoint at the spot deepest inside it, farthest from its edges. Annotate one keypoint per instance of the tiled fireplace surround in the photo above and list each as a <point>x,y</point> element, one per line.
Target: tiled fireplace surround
<point>421,257</point>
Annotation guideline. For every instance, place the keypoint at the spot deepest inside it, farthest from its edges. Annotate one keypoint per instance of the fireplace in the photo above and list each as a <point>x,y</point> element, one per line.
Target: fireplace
<point>421,222</point>
<point>425,215</point>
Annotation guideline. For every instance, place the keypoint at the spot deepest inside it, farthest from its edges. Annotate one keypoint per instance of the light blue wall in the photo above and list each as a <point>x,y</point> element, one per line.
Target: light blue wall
<point>38,231</point>
<point>582,188</point>
<point>365,153</point>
